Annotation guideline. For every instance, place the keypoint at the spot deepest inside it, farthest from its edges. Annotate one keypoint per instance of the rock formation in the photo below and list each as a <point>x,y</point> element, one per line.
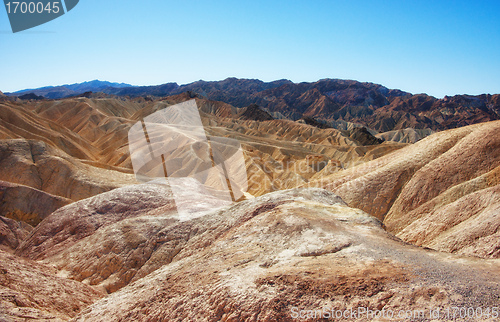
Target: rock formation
<point>94,132</point>
<point>399,225</point>
<point>40,166</point>
<point>12,233</point>
<point>26,204</point>
<point>255,113</point>
<point>261,258</point>
<point>372,105</point>
<point>364,137</point>
<point>440,192</point>
<point>408,135</point>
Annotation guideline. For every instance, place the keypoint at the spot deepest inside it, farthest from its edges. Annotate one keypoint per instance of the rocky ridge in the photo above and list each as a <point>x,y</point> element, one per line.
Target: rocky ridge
<point>372,105</point>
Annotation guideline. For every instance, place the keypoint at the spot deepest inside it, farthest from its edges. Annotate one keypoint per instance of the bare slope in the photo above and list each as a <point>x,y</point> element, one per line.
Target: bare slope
<point>30,291</point>
<point>43,167</point>
<point>12,233</point>
<point>441,192</point>
<point>256,260</point>
<point>280,154</point>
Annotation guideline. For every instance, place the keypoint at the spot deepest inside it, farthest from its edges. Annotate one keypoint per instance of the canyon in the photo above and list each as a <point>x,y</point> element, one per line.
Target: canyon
<point>358,196</point>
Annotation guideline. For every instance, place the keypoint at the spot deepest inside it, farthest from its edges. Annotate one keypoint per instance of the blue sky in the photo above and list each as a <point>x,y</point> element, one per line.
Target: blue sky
<point>435,47</point>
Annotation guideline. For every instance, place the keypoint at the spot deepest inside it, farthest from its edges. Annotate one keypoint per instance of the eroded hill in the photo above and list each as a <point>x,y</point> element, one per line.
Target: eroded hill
<point>261,259</point>
<point>441,192</point>
<point>93,136</point>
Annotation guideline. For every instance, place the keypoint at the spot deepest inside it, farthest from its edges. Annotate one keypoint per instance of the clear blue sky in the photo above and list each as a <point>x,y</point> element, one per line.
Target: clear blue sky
<point>435,47</point>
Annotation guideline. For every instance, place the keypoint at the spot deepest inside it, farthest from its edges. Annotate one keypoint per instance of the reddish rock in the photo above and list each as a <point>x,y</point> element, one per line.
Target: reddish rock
<point>32,291</point>
<point>12,233</point>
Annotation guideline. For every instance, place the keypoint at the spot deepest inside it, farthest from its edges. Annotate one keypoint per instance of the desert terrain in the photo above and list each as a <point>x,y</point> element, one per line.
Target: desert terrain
<point>359,198</point>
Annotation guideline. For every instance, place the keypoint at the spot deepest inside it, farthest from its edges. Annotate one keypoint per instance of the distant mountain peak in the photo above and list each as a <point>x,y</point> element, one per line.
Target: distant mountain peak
<point>61,91</point>
<point>97,82</point>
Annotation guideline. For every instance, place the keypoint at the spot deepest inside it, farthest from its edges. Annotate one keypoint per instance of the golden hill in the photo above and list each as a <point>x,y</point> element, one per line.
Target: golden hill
<point>280,154</point>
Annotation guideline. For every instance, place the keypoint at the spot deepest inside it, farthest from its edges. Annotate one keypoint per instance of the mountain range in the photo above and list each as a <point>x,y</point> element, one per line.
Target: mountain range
<point>327,100</point>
